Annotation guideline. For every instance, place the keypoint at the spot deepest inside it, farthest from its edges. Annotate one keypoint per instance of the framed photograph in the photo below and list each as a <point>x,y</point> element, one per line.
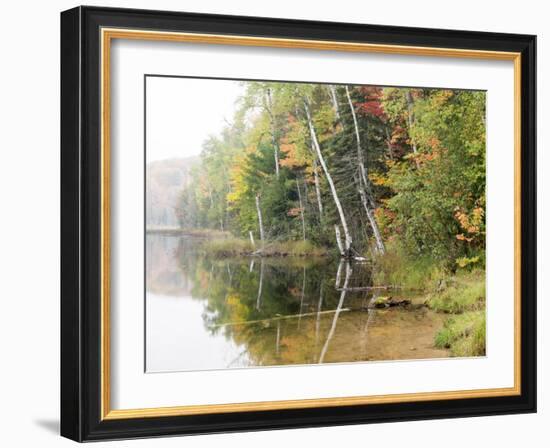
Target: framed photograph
<point>272,223</point>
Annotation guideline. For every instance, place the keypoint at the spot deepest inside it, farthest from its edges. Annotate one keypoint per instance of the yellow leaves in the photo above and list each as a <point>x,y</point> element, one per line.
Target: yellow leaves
<point>465,261</point>
<point>470,222</point>
<point>378,179</point>
<point>239,186</point>
<point>237,310</point>
<point>478,214</point>
<point>439,98</point>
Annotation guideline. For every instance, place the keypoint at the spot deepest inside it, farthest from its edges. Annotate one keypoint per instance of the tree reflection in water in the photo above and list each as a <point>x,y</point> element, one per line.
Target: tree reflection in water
<point>279,311</point>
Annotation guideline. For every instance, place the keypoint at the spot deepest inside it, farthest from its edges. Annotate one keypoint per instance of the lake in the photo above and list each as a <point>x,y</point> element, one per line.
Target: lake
<point>205,312</point>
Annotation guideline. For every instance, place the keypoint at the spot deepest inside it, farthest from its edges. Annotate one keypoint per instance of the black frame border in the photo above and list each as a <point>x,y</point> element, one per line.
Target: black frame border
<point>81,223</point>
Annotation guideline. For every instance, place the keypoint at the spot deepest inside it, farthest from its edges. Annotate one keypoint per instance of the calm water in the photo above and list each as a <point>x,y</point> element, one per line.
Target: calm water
<point>215,313</point>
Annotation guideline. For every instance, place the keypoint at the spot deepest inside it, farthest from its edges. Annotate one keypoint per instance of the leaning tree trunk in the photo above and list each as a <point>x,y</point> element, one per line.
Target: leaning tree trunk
<point>260,285</point>
<point>317,187</point>
<point>341,247</point>
<point>411,119</point>
<point>318,320</point>
<point>334,99</point>
<point>301,210</point>
<point>273,136</point>
<point>364,182</point>
<point>373,224</point>
<point>336,313</point>
<point>337,202</point>
<point>260,221</point>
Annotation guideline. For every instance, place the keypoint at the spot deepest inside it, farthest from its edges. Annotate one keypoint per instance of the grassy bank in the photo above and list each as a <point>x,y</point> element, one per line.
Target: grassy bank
<point>197,233</point>
<point>231,247</point>
<point>460,295</point>
<point>463,334</point>
<point>396,268</point>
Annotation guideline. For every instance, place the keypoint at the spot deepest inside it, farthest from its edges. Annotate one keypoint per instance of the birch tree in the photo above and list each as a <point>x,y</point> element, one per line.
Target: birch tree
<point>348,239</point>
<point>300,202</point>
<point>260,220</point>
<point>364,181</point>
<point>274,142</point>
<point>317,186</point>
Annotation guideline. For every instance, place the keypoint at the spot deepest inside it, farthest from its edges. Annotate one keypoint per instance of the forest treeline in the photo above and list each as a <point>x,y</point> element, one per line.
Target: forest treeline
<point>361,170</point>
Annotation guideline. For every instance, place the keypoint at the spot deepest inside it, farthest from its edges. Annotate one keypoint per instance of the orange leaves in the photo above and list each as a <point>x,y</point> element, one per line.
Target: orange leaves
<point>471,223</point>
<point>424,157</point>
<point>291,160</point>
<point>461,237</point>
<point>434,143</point>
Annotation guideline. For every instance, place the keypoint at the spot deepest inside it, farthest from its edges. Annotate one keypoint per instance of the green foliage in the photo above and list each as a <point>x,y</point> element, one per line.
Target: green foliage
<point>464,292</point>
<point>423,151</point>
<point>440,191</point>
<point>464,334</point>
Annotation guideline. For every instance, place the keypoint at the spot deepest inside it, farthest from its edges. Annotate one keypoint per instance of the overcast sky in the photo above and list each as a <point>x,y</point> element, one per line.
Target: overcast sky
<point>183,112</point>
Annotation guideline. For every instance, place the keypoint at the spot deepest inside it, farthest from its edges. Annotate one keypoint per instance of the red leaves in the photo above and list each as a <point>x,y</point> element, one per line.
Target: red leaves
<point>372,104</point>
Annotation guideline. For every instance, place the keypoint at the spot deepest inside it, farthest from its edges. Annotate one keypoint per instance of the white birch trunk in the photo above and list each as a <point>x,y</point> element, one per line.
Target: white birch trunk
<point>339,274</point>
<point>317,147</point>
<point>318,320</point>
<point>339,240</point>
<point>334,98</point>
<point>273,137</point>
<point>317,186</point>
<point>260,221</point>
<point>252,239</point>
<point>301,210</point>
<point>302,296</point>
<point>380,248</point>
<point>260,286</point>
<point>362,169</point>
<point>364,183</point>
<point>336,314</point>
<point>410,119</point>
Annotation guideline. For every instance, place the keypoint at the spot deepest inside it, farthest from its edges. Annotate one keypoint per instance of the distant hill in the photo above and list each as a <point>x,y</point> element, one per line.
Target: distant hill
<point>164,181</point>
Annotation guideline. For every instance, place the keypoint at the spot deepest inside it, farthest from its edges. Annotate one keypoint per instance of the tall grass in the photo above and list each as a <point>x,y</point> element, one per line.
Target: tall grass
<point>464,297</point>
<point>235,246</point>
<point>463,334</point>
<point>395,267</point>
<point>463,292</point>
<point>226,247</point>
